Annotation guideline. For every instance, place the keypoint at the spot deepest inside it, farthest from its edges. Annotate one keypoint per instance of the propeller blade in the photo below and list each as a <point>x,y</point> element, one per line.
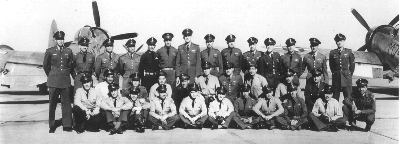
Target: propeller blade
<point>394,21</point>
<point>53,29</point>
<point>96,14</point>
<point>360,19</point>
<point>139,48</point>
<point>124,36</point>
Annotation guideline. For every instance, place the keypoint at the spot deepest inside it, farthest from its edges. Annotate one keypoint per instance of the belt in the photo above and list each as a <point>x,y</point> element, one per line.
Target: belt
<point>149,73</point>
<point>168,69</point>
<point>82,72</point>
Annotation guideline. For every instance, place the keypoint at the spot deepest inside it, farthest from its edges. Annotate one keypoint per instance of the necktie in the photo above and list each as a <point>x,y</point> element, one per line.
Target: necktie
<point>220,104</point>
<point>84,57</point>
<point>187,48</point>
<point>326,105</point>
<point>229,78</point>
<point>115,102</point>
<point>231,51</point>
<point>251,81</point>
<point>208,52</point>
<point>87,94</point>
<point>206,80</point>
<point>193,101</point>
<point>61,49</point>
<point>291,56</point>
<point>168,51</point>
<point>109,54</point>
<point>313,56</point>
<point>162,103</point>
<point>268,102</point>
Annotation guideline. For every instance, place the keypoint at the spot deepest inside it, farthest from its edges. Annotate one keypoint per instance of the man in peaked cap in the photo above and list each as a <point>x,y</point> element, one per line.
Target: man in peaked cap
<point>102,87</point>
<point>163,110</point>
<point>230,81</point>
<point>282,88</point>
<point>182,90</point>
<point>314,88</point>
<point>232,55</point>
<point>295,110</point>
<point>57,64</point>
<point>135,83</point>
<point>212,56</point>
<point>243,105</point>
<point>140,109</point>
<point>128,63</point>
<point>269,64</point>
<point>83,63</point>
<point>149,64</point>
<point>167,59</point>
<point>315,60</point>
<point>207,83</point>
<point>291,60</point>
<point>360,106</point>
<point>109,60</point>
<point>256,81</point>
<point>341,63</point>
<point>269,109</point>
<point>162,80</point>
<point>188,58</point>
<point>251,57</point>
<point>193,109</point>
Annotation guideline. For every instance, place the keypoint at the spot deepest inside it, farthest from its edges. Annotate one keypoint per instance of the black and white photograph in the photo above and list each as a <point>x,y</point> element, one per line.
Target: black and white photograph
<point>199,71</point>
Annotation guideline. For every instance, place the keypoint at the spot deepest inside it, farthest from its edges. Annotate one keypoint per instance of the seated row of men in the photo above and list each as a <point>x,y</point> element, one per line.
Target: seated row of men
<point>133,106</point>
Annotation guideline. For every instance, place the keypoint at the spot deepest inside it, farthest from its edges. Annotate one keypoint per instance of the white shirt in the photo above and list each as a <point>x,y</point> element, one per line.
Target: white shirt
<point>333,109</point>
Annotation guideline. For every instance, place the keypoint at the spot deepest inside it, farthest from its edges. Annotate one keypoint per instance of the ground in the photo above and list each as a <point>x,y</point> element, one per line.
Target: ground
<point>24,119</point>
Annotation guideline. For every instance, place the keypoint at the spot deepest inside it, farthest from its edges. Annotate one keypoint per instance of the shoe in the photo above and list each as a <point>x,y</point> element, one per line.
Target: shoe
<point>154,127</point>
<point>292,128</point>
<point>333,129</point>
<point>351,128</point>
<point>199,126</point>
<point>119,131</point>
<point>247,127</point>
<point>367,128</point>
<point>271,127</point>
<point>299,128</point>
<point>285,127</point>
<point>52,130</point>
<point>67,129</point>
<point>323,129</point>
<point>214,126</point>
<point>113,131</point>
<point>141,130</point>
<point>223,127</point>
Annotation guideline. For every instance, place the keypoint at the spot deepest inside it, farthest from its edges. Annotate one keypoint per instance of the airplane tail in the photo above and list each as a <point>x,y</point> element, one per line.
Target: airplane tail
<point>53,29</point>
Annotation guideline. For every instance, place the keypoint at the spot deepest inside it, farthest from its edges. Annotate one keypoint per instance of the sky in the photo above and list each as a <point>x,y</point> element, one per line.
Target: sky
<point>25,24</point>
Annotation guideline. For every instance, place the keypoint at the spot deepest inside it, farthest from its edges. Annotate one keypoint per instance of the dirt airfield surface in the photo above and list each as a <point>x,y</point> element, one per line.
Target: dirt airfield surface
<point>24,119</point>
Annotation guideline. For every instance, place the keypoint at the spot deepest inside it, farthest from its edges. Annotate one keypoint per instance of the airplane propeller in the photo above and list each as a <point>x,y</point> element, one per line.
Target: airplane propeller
<point>360,19</point>
<point>96,14</point>
<point>394,21</point>
<point>124,36</point>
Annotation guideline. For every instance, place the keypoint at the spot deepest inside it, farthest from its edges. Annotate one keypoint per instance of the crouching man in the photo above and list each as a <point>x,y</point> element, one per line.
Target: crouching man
<point>269,109</point>
<point>193,110</point>
<point>140,109</point>
<point>244,104</point>
<point>86,106</point>
<point>295,110</point>
<point>327,113</point>
<point>221,112</point>
<point>116,109</point>
<point>162,110</point>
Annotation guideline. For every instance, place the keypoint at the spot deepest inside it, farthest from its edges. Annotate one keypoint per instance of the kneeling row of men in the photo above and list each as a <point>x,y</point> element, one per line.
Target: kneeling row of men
<point>132,107</point>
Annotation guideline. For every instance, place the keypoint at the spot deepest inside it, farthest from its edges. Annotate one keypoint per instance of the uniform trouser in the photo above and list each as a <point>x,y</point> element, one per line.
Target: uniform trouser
<point>170,121</point>
<point>233,116</point>
<point>80,117</point>
<point>135,119</point>
<point>148,81</point>
<point>199,121</point>
<point>284,122</point>
<point>319,124</point>
<point>337,89</point>
<point>349,115</point>
<point>271,122</point>
<point>116,78</point>
<point>65,106</point>
<point>123,117</point>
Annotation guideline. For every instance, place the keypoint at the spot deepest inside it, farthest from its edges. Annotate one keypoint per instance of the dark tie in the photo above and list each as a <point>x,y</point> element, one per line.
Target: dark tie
<point>162,103</point>
<point>208,53</point>
<point>115,102</point>
<point>229,78</point>
<point>109,54</point>
<point>326,105</point>
<point>291,56</point>
<point>193,101</point>
<point>268,102</point>
<point>84,57</point>
<point>61,49</point>
<point>313,56</point>
<point>87,94</point>
<point>187,48</point>
<point>168,51</point>
<point>220,104</point>
<point>206,80</point>
<point>231,51</point>
<point>251,81</point>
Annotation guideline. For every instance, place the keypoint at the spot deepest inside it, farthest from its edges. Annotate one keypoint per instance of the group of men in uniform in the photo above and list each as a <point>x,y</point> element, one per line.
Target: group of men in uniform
<point>254,89</point>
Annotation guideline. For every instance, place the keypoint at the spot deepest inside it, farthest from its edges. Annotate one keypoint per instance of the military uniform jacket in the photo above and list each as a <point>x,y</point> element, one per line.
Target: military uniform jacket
<point>188,110</point>
<point>210,87</point>
<point>121,102</point>
<point>244,106</point>
<point>128,64</point>
<point>142,94</point>
<point>153,94</point>
<point>224,108</point>
<point>295,108</point>
<point>180,94</point>
<point>232,55</point>
<point>157,110</point>
<point>148,62</point>
<point>281,91</point>
<point>87,99</point>
<point>342,67</point>
<point>58,67</point>
<point>186,58</point>
<point>167,60</point>
<point>250,58</point>
<point>313,91</point>
<point>366,104</point>
<point>257,82</point>
<point>269,64</point>
<point>232,85</point>
<point>80,66</point>
<point>103,62</point>
<point>268,107</point>
<point>318,63</point>
<point>295,63</point>
<point>139,103</point>
<point>214,57</point>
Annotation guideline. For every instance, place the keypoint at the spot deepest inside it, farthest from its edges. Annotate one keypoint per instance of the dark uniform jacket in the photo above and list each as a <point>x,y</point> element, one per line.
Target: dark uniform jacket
<point>214,57</point>
<point>295,109</point>
<point>250,58</point>
<point>232,55</point>
<point>148,62</point>
<point>318,63</point>
<point>142,94</point>
<point>58,67</point>
<point>312,92</point>
<point>188,61</point>
<point>244,106</point>
<point>103,62</point>
<point>366,104</point>
<point>167,60</point>
<point>270,68</point>
<point>294,63</point>
<point>180,93</point>
<point>128,64</point>
<point>80,66</point>
<point>232,85</point>
<point>342,67</point>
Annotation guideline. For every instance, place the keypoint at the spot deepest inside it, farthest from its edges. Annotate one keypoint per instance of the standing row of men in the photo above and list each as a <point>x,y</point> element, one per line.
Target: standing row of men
<point>230,65</point>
